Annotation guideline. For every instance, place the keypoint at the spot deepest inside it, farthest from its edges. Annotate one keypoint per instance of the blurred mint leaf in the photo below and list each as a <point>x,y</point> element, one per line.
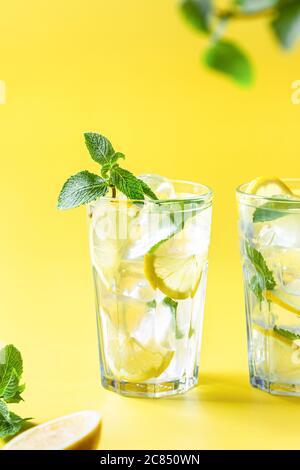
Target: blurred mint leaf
<point>226,57</point>
<point>127,183</point>
<point>252,6</point>
<point>99,147</point>
<point>81,188</point>
<point>197,13</point>
<point>286,25</point>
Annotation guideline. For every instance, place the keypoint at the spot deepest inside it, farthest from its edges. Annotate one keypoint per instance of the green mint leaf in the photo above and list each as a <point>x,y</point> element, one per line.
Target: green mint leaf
<point>10,426</point>
<point>273,210</point>
<point>261,267</point>
<point>10,364</point>
<point>127,183</point>
<point>151,303</point>
<point>99,147</point>
<point>197,13</point>
<point>117,156</point>
<point>253,6</point>
<point>173,305</point>
<point>11,392</point>
<point>226,57</point>
<point>82,188</point>
<point>256,285</point>
<point>286,25</point>
<point>286,333</point>
<point>147,190</point>
<point>4,412</point>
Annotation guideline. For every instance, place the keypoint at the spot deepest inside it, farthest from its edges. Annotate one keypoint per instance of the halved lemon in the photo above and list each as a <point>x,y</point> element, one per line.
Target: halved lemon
<point>268,187</point>
<point>284,300</point>
<point>78,431</point>
<point>129,360</point>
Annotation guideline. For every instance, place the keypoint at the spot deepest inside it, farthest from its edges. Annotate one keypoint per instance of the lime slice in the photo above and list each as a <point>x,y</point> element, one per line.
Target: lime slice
<point>284,300</point>
<point>175,265</point>
<point>268,187</point>
<point>78,431</point>
<point>131,361</point>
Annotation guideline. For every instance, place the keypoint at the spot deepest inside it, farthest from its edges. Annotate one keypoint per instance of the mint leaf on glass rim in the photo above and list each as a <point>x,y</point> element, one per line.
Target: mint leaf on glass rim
<point>85,187</point>
<point>80,189</point>
<point>127,183</point>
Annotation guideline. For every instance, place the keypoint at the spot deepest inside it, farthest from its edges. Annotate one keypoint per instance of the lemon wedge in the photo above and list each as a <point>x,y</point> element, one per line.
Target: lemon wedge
<point>284,300</point>
<point>129,360</point>
<point>268,187</point>
<point>174,266</point>
<point>77,431</point>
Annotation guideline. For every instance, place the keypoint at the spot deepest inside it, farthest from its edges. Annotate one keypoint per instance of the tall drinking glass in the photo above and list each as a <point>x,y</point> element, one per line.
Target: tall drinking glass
<point>270,248</point>
<point>149,261</point>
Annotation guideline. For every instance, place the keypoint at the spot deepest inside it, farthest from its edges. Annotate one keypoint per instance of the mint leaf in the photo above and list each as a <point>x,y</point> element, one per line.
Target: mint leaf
<point>197,13</point>
<point>99,147</point>
<point>147,190</point>
<point>256,285</point>
<point>286,333</point>
<point>286,25</point>
<point>264,278</point>
<point>273,210</point>
<point>4,412</point>
<point>252,6</point>
<point>10,426</point>
<point>81,188</point>
<point>173,305</point>
<point>226,57</point>
<point>11,369</point>
<point>127,183</point>
<point>10,364</point>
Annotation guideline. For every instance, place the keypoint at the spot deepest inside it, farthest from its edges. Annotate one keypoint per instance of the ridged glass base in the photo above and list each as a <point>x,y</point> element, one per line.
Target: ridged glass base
<point>276,388</point>
<point>148,390</point>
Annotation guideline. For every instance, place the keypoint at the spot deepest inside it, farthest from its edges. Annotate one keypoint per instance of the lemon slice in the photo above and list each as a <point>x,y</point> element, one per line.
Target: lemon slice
<point>174,266</point>
<point>129,360</point>
<point>78,431</point>
<point>272,334</point>
<point>284,300</point>
<point>268,186</point>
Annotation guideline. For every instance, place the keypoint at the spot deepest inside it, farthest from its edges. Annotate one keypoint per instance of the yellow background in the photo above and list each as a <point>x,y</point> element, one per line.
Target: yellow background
<point>131,70</point>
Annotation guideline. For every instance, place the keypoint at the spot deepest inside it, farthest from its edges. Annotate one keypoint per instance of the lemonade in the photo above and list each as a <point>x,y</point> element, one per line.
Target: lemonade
<point>149,263</point>
<point>149,241</point>
<point>270,245</point>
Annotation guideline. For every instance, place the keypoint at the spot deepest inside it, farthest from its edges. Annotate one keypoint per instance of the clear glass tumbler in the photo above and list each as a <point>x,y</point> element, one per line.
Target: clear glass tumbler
<point>270,248</point>
<point>149,261</point>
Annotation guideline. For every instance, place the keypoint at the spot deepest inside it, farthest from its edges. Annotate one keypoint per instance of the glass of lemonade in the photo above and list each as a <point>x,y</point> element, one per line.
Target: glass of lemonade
<point>269,225</point>
<point>149,261</point>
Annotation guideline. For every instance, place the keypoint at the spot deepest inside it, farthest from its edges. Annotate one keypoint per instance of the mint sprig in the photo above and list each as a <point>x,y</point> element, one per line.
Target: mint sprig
<point>264,278</point>
<point>85,187</point>
<point>11,369</point>
<point>173,305</point>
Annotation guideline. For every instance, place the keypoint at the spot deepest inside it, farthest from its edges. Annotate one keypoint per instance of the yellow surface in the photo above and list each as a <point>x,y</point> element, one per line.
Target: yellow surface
<point>131,70</point>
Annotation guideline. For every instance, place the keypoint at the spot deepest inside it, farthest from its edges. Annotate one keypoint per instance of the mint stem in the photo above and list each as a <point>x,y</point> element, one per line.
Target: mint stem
<point>113,191</point>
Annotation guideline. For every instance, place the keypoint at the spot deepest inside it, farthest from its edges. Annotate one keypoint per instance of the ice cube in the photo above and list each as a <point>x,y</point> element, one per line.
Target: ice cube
<point>160,185</point>
<point>132,283</point>
<point>151,226</point>
<point>283,232</point>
